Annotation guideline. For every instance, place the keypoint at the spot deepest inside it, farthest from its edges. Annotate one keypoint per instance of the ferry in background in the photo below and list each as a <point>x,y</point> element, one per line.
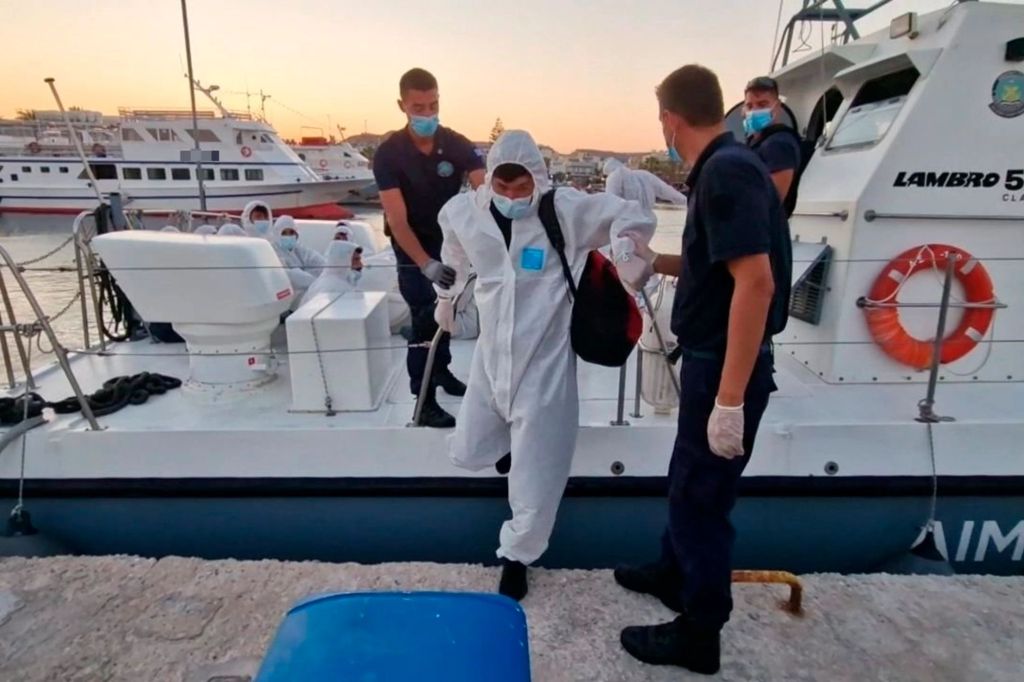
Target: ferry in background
<point>146,157</point>
<point>333,160</point>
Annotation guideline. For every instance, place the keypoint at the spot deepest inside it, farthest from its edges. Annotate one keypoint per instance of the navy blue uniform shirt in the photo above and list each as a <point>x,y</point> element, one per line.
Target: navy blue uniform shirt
<point>733,211</point>
<point>779,152</point>
<point>427,181</point>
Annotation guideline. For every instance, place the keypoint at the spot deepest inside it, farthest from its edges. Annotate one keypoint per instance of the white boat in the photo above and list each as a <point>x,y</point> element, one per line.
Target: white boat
<point>301,449</point>
<point>333,160</point>
<point>146,157</point>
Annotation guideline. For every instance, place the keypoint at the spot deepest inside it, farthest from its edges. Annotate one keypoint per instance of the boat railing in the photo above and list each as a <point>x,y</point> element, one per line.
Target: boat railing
<point>90,298</point>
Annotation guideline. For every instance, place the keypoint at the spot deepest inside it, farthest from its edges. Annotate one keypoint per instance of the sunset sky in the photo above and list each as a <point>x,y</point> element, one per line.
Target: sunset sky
<point>574,73</point>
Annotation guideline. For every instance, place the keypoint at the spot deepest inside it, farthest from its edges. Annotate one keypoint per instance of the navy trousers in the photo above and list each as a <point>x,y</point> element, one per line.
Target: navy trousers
<point>699,538</point>
<point>418,292</point>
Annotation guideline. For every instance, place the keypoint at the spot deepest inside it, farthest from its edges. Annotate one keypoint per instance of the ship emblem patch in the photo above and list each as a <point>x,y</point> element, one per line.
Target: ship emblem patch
<point>445,169</point>
<point>1008,95</point>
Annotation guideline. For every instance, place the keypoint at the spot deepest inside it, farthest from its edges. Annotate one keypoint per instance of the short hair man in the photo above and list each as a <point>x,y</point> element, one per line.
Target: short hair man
<point>776,143</point>
<point>417,170</point>
<point>732,296</point>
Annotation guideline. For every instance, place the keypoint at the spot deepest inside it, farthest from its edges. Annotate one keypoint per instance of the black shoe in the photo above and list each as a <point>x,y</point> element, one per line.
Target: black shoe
<point>674,643</point>
<point>513,580</point>
<point>656,579</point>
<point>504,465</point>
<point>450,384</point>
<point>434,416</point>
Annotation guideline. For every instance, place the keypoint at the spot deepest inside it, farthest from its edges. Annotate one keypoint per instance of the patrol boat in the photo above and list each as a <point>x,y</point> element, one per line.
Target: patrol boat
<point>296,444</point>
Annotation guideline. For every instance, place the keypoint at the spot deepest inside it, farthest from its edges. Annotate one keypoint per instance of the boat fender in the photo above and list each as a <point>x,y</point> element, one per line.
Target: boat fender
<point>884,322</point>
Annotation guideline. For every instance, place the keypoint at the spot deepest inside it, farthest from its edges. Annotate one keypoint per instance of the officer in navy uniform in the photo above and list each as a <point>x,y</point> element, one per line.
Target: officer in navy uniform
<point>732,296</point>
<point>776,143</point>
<point>418,169</point>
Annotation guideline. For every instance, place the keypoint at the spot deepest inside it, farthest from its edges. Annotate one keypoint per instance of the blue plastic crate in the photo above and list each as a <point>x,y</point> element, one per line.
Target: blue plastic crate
<point>395,636</point>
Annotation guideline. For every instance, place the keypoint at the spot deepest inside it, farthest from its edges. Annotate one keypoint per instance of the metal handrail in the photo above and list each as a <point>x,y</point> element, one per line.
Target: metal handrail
<point>871,215</point>
<point>44,324</point>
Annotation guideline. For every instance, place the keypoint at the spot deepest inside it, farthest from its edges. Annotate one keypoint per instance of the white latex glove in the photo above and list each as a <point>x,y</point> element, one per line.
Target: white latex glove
<point>444,314</point>
<point>725,431</point>
<point>634,263</point>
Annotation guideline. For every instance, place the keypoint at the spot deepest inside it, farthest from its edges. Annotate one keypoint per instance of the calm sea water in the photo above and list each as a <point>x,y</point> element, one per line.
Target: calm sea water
<point>27,237</point>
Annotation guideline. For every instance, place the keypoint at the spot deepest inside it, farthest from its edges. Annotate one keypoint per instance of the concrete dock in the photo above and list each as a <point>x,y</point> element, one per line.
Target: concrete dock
<point>188,620</point>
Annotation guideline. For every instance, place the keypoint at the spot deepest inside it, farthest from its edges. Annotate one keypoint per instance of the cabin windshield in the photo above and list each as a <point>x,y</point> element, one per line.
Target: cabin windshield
<point>874,109</point>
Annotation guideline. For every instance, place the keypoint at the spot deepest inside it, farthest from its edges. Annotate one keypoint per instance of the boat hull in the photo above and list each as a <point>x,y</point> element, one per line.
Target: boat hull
<point>601,523</point>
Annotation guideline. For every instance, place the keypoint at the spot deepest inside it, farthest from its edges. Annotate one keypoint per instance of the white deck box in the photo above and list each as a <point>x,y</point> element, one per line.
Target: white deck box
<point>346,326</point>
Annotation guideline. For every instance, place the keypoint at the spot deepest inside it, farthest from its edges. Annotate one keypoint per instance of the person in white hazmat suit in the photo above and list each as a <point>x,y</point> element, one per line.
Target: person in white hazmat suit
<point>640,186</point>
<point>293,253</point>
<point>230,230</point>
<point>257,220</point>
<point>522,394</point>
<point>341,271</point>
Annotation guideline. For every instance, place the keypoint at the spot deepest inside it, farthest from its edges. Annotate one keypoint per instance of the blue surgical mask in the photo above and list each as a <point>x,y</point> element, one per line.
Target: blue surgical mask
<point>424,126</point>
<point>288,242</point>
<point>673,155</point>
<point>261,226</point>
<point>514,209</point>
<point>757,120</point>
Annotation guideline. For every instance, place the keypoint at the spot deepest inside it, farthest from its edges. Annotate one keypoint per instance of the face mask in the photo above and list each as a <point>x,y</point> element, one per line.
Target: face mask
<point>288,242</point>
<point>673,155</point>
<point>757,120</point>
<point>424,126</point>
<point>514,209</point>
<point>261,226</point>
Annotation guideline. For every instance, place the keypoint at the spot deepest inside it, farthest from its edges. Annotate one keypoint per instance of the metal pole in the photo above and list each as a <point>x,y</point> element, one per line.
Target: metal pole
<point>636,414</point>
<point>621,406</point>
<point>17,337</point>
<point>661,342</point>
<point>81,292</point>
<point>75,140</point>
<point>8,363</point>
<point>195,118</point>
<point>58,349</point>
<point>926,412</point>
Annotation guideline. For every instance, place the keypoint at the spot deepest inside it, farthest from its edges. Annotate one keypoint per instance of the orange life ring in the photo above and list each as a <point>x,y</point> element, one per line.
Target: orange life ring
<point>33,147</point>
<point>99,150</point>
<point>884,323</point>
<point>246,152</point>
<point>323,163</point>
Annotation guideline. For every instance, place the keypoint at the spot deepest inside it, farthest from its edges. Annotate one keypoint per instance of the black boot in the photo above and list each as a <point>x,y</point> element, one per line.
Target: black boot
<point>675,643</point>
<point>513,579</point>
<point>450,383</point>
<point>433,415</point>
<point>657,579</point>
<point>504,465</point>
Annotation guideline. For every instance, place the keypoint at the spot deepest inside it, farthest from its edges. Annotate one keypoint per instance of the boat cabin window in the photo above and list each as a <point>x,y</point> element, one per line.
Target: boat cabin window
<point>208,174</point>
<point>102,171</point>
<point>44,169</point>
<point>181,174</point>
<point>302,156</point>
<point>228,173</point>
<point>156,174</point>
<point>823,114</point>
<point>131,135</point>
<point>131,173</point>
<point>63,169</point>
<point>26,169</point>
<point>254,174</point>
<point>14,177</point>
<point>203,135</point>
<point>872,112</point>
<point>163,134</point>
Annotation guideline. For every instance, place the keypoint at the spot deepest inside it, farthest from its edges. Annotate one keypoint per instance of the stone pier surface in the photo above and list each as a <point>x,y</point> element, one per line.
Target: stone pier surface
<point>189,620</point>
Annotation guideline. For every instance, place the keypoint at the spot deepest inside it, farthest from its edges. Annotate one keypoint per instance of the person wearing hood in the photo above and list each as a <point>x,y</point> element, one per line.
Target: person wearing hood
<point>230,230</point>
<point>522,394</point>
<point>417,170</point>
<point>205,230</point>
<point>256,219</point>
<point>342,269</point>
<point>293,254</point>
<point>342,232</point>
<point>639,185</point>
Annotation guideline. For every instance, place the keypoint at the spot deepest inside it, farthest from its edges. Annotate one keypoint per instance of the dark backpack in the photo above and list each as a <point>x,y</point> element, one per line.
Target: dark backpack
<point>806,149</point>
<point>606,323</point>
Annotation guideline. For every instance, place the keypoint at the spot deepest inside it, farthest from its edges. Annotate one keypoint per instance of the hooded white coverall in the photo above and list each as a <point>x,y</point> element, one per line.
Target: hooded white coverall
<point>300,257</point>
<point>337,276</point>
<point>205,230</point>
<point>247,223</point>
<point>231,230</point>
<point>640,186</point>
<point>299,279</point>
<point>522,393</point>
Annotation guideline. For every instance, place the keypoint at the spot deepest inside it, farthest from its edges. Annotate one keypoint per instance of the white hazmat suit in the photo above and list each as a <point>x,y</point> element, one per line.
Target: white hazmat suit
<point>301,257</point>
<point>522,394</point>
<point>639,185</point>
<point>338,276</point>
<point>230,230</point>
<point>205,230</point>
